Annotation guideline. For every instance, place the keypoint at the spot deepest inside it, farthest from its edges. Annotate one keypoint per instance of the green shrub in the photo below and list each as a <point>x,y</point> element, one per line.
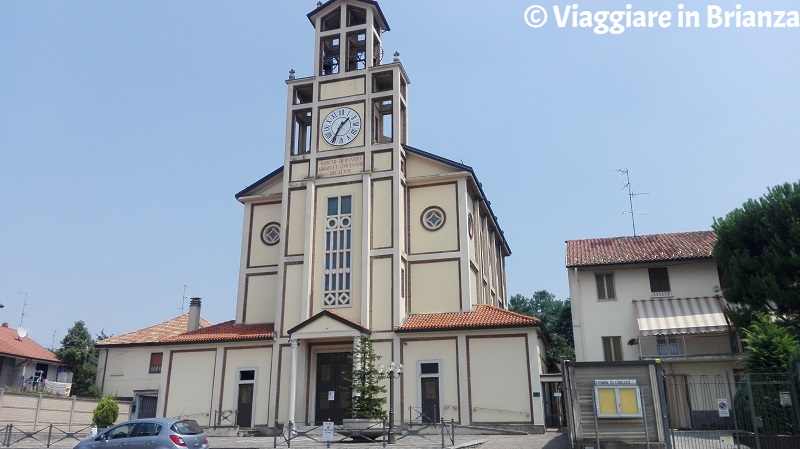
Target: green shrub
<point>106,412</point>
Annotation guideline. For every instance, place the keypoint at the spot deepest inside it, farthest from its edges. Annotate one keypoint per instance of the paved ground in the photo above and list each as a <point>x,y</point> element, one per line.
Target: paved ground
<point>548,440</point>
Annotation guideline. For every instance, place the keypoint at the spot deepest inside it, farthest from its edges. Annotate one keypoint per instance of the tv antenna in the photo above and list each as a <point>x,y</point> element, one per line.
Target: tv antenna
<point>183,300</point>
<point>24,305</point>
<point>631,194</point>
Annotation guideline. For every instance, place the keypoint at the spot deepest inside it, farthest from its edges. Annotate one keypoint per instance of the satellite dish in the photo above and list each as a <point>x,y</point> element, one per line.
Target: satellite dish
<point>22,333</point>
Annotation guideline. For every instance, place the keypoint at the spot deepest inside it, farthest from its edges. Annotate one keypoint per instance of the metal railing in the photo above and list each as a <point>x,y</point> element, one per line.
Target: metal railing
<point>46,436</point>
<point>285,435</point>
<point>694,345</point>
<point>223,416</point>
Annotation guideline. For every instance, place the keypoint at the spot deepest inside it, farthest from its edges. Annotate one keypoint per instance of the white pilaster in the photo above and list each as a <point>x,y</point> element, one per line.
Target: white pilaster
<point>293,380</point>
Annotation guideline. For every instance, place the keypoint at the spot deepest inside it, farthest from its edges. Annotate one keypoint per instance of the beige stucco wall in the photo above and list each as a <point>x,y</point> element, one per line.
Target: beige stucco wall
<point>417,167</point>
<point>343,88</point>
<point>432,349</point>
<point>300,170</point>
<point>494,362</point>
<point>135,373</point>
<point>382,214</point>
<point>262,254</point>
<point>261,294</point>
<point>382,161</point>
<point>296,223</point>
<point>433,287</point>
<point>444,239</point>
<point>381,295</point>
<point>601,318</point>
<point>258,359</point>
<point>190,388</point>
<point>293,303</point>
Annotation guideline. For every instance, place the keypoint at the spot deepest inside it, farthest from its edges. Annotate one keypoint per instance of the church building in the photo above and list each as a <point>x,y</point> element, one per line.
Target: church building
<point>359,233</point>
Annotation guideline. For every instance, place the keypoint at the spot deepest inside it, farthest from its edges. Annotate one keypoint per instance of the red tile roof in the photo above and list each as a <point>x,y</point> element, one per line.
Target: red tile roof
<point>13,346</point>
<point>643,248</point>
<point>227,331</point>
<point>153,334</point>
<point>483,317</point>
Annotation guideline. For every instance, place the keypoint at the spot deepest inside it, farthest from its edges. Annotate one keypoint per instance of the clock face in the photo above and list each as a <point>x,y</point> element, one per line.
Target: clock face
<point>341,126</point>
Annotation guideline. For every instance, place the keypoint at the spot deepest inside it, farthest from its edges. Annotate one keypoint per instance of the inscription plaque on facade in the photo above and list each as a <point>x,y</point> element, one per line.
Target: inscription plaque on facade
<point>340,166</point>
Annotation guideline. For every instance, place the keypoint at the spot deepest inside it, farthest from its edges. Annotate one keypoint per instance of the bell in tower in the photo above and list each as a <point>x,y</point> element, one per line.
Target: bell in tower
<point>348,36</point>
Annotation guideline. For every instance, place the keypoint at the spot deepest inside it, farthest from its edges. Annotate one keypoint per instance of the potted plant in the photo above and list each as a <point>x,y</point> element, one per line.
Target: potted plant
<point>106,412</point>
<point>365,412</point>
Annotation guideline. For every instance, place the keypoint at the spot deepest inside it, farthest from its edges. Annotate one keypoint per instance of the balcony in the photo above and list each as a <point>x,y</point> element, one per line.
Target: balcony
<point>689,346</point>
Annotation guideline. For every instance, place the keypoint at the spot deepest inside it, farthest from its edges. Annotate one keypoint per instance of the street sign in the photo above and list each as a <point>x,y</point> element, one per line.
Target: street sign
<point>327,431</point>
<point>722,407</point>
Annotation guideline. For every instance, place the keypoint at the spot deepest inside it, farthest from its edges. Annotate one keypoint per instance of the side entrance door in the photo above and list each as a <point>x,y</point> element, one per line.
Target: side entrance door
<point>430,399</point>
<point>331,400</point>
<point>245,406</point>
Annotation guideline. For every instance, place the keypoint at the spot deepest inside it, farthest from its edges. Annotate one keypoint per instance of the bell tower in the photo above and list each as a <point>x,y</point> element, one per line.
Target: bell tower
<point>344,170</point>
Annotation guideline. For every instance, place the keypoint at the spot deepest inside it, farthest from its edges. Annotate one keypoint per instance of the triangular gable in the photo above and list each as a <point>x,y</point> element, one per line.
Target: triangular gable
<point>327,324</point>
<point>272,183</point>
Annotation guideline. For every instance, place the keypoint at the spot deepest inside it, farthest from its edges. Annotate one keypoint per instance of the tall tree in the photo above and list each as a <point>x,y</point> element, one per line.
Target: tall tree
<point>556,317</point>
<point>758,252</point>
<point>769,347</point>
<point>77,353</point>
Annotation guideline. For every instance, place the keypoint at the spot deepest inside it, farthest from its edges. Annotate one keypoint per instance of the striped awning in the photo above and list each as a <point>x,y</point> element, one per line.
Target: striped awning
<point>680,316</point>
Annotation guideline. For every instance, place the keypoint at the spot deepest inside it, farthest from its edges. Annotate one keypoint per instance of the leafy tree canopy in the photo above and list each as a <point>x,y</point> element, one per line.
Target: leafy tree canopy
<point>758,252</point>
<point>556,317</point>
<point>769,347</point>
<point>78,354</point>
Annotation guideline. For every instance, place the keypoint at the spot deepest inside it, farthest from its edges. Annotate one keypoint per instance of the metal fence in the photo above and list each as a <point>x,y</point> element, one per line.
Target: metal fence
<point>756,411</point>
<point>439,435</point>
<point>46,436</point>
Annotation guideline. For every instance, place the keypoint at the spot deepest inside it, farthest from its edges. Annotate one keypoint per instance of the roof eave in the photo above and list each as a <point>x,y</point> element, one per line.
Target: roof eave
<point>640,262</point>
<point>372,3</point>
<point>469,328</point>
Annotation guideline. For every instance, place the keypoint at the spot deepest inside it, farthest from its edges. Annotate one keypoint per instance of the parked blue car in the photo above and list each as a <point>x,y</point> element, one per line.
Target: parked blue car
<point>153,433</point>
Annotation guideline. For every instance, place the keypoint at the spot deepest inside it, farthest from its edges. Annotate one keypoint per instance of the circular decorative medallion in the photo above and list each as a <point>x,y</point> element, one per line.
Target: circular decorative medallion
<point>271,233</point>
<point>470,226</point>
<point>433,218</point>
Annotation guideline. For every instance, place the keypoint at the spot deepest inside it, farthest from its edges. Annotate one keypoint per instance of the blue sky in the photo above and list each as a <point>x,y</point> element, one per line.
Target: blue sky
<point>126,128</point>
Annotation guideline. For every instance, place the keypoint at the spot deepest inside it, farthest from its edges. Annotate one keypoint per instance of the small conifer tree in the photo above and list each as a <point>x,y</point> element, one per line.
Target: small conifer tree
<point>106,412</point>
<point>363,381</point>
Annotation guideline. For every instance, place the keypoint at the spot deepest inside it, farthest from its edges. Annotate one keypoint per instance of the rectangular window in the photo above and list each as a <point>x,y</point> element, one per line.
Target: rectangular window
<point>667,345</point>
<point>605,286</point>
<point>356,50</point>
<point>382,120</point>
<point>338,249</point>
<point>659,282</point>
<point>329,49</point>
<point>612,349</point>
<point>618,402</point>
<point>301,132</point>
<point>155,362</point>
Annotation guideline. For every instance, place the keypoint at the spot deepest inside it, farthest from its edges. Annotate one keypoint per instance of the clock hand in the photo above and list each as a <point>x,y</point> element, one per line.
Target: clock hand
<point>340,126</point>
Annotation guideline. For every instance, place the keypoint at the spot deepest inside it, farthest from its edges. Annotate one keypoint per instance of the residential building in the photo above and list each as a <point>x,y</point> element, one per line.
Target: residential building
<point>129,365</point>
<point>25,364</point>
<point>654,297</point>
<point>360,233</point>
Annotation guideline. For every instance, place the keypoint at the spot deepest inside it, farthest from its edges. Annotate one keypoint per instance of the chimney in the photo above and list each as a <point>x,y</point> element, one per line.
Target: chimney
<point>194,315</point>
